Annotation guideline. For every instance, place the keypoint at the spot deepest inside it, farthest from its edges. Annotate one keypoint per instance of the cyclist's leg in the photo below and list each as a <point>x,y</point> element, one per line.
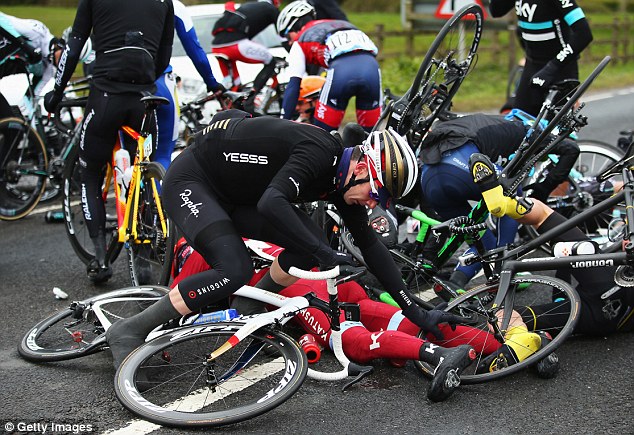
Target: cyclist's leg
<point>167,117</point>
<point>212,234</point>
<point>335,94</point>
<point>230,76</point>
<point>362,344</point>
<point>105,113</point>
<point>528,98</point>
<point>5,112</point>
<point>369,95</point>
<point>5,108</point>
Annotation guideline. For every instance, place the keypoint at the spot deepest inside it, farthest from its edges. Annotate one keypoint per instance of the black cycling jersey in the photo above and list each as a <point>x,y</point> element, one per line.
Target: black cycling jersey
<point>246,22</point>
<point>496,137</point>
<point>549,29</point>
<point>493,135</point>
<point>328,10</point>
<point>299,162</point>
<point>132,40</point>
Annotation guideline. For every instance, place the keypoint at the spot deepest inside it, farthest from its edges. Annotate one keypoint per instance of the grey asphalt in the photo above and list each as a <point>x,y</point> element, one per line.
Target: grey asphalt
<point>593,392</point>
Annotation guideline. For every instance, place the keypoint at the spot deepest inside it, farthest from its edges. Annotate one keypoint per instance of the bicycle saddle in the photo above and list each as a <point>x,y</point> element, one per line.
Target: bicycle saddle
<point>154,101</point>
<point>563,89</point>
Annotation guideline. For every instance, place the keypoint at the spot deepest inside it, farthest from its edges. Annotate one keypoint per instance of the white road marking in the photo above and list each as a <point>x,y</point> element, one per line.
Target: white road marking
<point>196,399</point>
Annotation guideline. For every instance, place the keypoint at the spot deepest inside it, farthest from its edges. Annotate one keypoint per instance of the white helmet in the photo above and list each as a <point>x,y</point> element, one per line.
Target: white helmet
<point>292,13</point>
<point>86,54</point>
<point>392,164</point>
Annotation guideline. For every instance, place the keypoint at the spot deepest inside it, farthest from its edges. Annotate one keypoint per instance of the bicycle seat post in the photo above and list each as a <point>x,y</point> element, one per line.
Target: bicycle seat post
<point>333,296</point>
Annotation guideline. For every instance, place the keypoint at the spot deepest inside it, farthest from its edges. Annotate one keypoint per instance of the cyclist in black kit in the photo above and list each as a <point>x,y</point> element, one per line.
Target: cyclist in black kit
<point>553,34</point>
<point>241,177</point>
<point>130,54</point>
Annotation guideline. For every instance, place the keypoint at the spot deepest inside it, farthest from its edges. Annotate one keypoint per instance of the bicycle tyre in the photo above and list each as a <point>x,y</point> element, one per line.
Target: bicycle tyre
<point>62,336</point>
<point>153,380</point>
<point>150,255</point>
<point>442,71</point>
<point>513,81</point>
<point>23,168</point>
<point>474,303</point>
<point>595,157</point>
<point>76,228</point>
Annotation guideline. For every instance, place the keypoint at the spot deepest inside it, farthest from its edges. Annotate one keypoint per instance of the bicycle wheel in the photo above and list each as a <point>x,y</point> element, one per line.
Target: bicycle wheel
<point>514,81</point>
<point>448,61</point>
<point>168,380</point>
<point>76,331</point>
<point>580,192</point>
<point>23,168</point>
<point>150,253</point>
<point>556,318</point>
<point>76,228</point>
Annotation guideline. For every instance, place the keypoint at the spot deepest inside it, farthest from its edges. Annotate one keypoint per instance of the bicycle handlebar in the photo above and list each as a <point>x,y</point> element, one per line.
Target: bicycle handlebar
<point>64,104</point>
<point>419,215</point>
<point>346,272</point>
<point>464,225</point>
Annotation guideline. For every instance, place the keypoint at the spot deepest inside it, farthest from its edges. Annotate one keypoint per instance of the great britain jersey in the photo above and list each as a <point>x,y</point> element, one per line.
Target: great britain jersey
<point>549,29</point>
<point>324,40</point>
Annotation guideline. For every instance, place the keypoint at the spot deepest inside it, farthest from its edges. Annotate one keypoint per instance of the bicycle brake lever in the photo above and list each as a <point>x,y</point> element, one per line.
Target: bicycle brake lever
<point>441,229</point>
<point>348,273</point>
<point>359,372</point>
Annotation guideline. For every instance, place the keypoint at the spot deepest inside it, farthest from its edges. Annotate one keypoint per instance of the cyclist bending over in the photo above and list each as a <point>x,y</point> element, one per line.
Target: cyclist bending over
<point>349,56</point>
<point>131,54</point>
<point>241,177</point>
<point>446,182</point>
<point>31,40</point>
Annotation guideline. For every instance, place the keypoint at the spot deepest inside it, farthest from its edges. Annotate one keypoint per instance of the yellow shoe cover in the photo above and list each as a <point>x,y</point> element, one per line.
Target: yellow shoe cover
<point>523,343</point>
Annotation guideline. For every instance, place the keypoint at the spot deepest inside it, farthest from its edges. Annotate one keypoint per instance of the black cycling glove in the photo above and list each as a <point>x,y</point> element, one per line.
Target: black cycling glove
<point>52,99</point>
<point>218,87</point>
<point>428,320</point>
<point>545,76</point>
<point>329,258</point>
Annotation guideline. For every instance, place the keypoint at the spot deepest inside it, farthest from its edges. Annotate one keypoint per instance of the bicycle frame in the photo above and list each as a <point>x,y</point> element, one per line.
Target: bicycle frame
<point>128,225</point>
<point>287,309</point>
